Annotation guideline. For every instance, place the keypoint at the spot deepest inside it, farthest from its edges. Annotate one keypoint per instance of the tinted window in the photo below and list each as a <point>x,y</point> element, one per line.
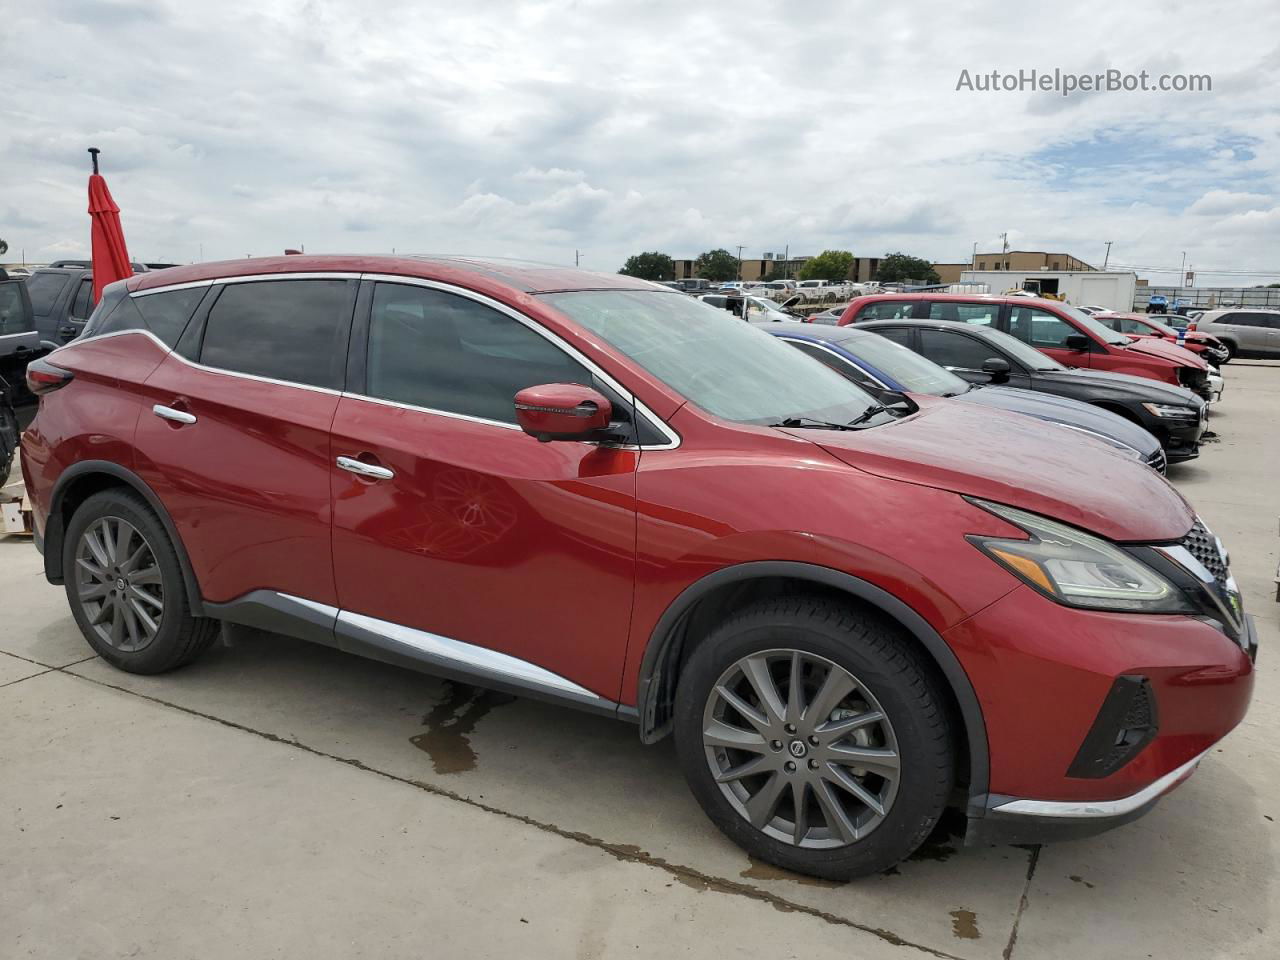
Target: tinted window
<point>43,289</point>
<point>897,334</point>
<point>82,306</point>
<point>885,310</point>
<point>1039,328</point>
<point>13,315</point>
<point>983,314</point>
<point>954,350</point>
<point>292,330</point>
<point>436,350</point>
<point>1251,320</point>
<point>166,314</point>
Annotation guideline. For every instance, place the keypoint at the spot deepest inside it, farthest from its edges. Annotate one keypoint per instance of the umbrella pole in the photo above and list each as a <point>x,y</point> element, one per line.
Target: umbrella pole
<point>93,152</point>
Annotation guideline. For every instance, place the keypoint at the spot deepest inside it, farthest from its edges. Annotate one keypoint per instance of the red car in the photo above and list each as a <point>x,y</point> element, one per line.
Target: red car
<point>1057,329</point>
<point>596,490</point>
<point>1141,325</point>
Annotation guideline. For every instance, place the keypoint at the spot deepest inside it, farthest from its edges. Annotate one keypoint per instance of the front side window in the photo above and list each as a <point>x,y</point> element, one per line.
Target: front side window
<point>729,368</point>
<point>13,313</point>
<point>440,351</point>
<point>290,330</point>
<point>1039,327</point>
<point>954,350</point>
<point>43,289</point>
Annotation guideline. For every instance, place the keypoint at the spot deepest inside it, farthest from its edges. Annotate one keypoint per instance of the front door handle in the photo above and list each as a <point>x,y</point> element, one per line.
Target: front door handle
<point>168,413</point>
<point>353,465</point>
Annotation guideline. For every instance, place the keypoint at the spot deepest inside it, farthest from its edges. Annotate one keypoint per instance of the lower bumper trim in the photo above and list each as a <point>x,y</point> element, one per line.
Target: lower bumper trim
<point>1098,808</point>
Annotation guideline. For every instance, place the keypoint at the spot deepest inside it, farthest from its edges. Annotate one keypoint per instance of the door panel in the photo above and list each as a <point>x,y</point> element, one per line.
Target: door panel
<point>486,536</point>
<point>247,484</point>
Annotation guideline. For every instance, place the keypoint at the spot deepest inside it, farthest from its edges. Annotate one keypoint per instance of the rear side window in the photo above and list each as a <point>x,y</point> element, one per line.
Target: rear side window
<point>163,314</point>
<point>82,305</point>
<point>43,289</point>
<point>983,314</point>
<point>13,314</point>
<point>886,310</point>
<point>897,334</point>
<point>840,365</point>
<point>443,352</point>
<point>291,330</point>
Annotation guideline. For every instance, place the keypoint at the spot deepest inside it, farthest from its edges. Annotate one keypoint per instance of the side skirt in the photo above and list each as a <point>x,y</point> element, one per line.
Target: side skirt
<point>404,646</point>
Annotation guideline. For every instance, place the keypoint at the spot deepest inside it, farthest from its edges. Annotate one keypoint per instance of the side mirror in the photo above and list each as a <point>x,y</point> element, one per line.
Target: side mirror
<point>998,368</point>
<point>562,411</point>
<point>1076,341</point>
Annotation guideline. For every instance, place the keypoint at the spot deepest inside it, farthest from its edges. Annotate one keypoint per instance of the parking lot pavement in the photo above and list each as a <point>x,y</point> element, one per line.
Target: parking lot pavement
<point>281,798</point>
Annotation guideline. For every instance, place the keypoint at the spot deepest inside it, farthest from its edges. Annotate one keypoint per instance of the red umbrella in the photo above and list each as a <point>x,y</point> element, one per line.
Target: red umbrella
<point>110,258</point>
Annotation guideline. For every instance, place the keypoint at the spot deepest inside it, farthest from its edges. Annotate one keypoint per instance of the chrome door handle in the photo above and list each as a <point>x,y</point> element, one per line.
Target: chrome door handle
<point>168,413</point>
<point>365,469</point>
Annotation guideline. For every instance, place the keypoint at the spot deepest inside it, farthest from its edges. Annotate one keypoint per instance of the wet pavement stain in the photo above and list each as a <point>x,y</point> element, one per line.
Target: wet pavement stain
<point>940,846</point>
<point>448,723</point>
<point>759,870</point>
<point>964,924</point>
<point>1076,879</point>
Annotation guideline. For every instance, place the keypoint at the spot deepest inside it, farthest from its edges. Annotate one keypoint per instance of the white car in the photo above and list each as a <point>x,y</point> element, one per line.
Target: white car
<point>1216,384</point>
<point>758,308</point>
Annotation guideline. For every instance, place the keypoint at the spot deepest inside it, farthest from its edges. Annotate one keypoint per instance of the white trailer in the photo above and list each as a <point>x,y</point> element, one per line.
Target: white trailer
<point>1111,289</point>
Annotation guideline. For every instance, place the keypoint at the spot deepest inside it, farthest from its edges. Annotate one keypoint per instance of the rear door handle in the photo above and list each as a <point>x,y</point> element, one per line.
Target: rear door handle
<point>363,469</point>
<point>177,416</point>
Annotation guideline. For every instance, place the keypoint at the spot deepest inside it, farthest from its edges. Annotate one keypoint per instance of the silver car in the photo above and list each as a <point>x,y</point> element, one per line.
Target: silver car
<point>1244,332</point>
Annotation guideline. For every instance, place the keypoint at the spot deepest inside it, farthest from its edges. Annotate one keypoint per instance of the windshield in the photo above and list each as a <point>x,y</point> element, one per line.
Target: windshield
<point>1096,327</point>
<point>916,373</point>
<point>1025,354</point>
<point>725,366</point>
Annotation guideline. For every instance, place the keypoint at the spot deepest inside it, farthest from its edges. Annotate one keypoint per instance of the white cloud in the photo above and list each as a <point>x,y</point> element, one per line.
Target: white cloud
<point>534,129</point>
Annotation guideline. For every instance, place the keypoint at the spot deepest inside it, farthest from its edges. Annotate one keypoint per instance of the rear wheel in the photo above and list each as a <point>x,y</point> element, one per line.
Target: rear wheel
<point>814,737</point>
<point>125,586</point>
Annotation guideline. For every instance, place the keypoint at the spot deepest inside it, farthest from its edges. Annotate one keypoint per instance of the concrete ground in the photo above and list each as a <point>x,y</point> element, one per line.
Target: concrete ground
<point>278,799</point>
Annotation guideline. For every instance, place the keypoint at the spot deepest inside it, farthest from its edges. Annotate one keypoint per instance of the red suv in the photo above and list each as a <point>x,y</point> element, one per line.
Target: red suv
<point>599,491</point>
<point>1057,329</point>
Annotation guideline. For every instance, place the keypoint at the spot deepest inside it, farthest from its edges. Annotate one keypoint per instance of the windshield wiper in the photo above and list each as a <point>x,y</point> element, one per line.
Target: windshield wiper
<point>813,424</point>
<point>867,414</point>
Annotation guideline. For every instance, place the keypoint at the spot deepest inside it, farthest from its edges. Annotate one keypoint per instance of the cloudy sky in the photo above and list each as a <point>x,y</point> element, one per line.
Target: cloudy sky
<point>532,129</point>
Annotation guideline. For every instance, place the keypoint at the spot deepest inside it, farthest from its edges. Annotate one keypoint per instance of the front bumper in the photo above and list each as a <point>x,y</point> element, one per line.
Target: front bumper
<point>1044,674</point>
<point>1181,439</point>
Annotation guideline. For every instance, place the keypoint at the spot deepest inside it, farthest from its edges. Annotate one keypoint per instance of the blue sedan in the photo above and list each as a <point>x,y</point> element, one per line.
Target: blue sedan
<point>879,365</point>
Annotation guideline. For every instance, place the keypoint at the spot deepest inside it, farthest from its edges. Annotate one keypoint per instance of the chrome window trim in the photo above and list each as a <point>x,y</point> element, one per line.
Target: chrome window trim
<point>673,438</point>
<point>172,287</point>
<point>1100,808</point>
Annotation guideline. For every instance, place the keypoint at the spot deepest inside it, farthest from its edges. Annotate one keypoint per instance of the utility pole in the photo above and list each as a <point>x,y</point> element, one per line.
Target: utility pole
<point>973,263</point>
<point>740,246</point>
<point>1108,256</point>
<point>786,261</point>
<point>575,257</point>
<point>1182,271</point>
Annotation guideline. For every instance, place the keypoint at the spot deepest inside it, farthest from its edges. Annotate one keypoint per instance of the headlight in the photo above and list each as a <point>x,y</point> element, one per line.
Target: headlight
<point>1172,411</point>
<point>1076,568</point>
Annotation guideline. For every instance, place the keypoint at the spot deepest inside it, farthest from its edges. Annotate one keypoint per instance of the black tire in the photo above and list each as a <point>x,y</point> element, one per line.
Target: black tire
<point>885,664</point>
<point>179,637</point>
<point>1231,352</point>
<point>9,434</point>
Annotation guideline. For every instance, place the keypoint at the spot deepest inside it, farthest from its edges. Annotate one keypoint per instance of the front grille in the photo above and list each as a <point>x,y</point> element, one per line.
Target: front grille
<point>1158,461</point>
<point>1203,545</point>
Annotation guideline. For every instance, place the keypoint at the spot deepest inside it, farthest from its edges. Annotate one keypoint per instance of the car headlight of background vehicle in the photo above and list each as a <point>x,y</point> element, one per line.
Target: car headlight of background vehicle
<point>1171,411</point>
<point>1077,569</point>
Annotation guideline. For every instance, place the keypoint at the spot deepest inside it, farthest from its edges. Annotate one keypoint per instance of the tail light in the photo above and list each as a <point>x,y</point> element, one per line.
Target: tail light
<point>43,377</point>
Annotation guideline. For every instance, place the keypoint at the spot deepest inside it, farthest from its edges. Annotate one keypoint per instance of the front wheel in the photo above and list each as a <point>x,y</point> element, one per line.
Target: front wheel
<point>814,736</point>
<point>125,586</point>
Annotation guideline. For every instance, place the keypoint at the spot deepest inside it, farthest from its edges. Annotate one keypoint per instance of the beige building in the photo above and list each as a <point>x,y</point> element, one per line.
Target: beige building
<point>1024,261</point>
<point>863,269</point>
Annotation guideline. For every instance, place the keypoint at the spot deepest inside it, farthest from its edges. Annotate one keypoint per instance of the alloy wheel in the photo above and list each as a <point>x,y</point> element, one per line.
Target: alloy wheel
<point>119,585</point>
<point>801,749</point>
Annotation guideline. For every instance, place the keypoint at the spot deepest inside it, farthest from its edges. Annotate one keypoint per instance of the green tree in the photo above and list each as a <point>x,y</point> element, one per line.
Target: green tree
<point>650,266</point>
<point>828,265</point>
<point>716,265</point>
<point>901,268</point>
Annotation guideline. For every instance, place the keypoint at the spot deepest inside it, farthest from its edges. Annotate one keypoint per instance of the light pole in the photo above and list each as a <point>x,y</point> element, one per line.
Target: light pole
<point>740,246</point>
<point>1108,256</point>
<point>1182,270</point>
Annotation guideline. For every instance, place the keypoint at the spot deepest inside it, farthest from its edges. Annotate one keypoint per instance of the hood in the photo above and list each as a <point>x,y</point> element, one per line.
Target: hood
<point>1140,388</point>
<point>1064,410</point>
<point>1156,347</point>
<point>1012,459</point>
